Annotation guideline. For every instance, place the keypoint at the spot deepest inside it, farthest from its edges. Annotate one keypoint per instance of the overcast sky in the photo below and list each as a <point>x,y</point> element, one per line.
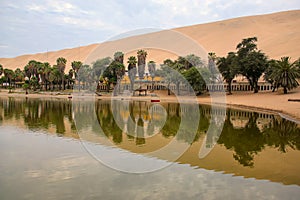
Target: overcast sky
<point>41,25</point>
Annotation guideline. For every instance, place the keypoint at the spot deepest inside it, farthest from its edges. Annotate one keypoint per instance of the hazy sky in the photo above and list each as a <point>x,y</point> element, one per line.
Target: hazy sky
<point>41,25</point>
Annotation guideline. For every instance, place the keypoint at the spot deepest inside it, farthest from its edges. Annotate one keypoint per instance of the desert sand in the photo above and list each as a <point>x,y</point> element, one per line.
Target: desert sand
<point>278,35</point>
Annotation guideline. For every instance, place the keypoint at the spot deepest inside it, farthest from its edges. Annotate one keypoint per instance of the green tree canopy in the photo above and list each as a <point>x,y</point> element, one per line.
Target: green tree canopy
<point>228,68</point>
<point>285,74</point>
<point>1,69</point>
<point>119,57</point>
<point>252,62</point>
<point>100,65</point>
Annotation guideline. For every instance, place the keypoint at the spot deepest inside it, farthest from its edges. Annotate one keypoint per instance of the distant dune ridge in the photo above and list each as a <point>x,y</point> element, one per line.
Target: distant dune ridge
<point>278,35</point>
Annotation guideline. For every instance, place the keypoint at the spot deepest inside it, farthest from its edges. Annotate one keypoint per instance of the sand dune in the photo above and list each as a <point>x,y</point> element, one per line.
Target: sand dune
<point>278,34</point>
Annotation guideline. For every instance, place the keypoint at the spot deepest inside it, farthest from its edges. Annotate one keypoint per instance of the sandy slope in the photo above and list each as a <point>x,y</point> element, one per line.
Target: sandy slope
<point>278,34</point>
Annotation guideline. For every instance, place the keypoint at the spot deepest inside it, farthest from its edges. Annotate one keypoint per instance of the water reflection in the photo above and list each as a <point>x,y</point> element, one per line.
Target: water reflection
<point>249,137</point>
<point>38,114</point>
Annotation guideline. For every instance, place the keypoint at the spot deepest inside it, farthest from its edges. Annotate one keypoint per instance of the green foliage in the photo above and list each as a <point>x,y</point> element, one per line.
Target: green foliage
<point>85,74</point>
<point>61,63</point>
<point>26,86</point>
<point>100,65</point>
<point>119,57</point>
<point>2,80</point>
<point>284,74</point>
<point>252,62</point>
<point>18,75</point>
<point>54,76</point>
<point>114,72</point>
<point>197,78</point>
<point>228,68</point>
<point>76,65</point>
<point>282,134</point>
<point>9,75</point>
<point>34,82</point>
<point>186,69</point>
<point>268,73</point>
<point>1,69</point>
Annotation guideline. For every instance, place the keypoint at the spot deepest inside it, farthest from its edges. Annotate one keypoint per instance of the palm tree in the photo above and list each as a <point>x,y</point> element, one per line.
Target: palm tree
<point>47,71</point>
<point>31,68</point>
<point>119,57</point>
<point>61,65</point>
<point>131,70</point>
<point>151,69</point>
<point>285,74</point>
<point>141,54</point>
<point>212,58</point>
<point>41,73</point>
<point>76,65</point>
<point>9,75</point>
<point>18,75</point>
<point>228,69</point>
<point>86,75</point>
<point>54,77</point>
<point>268,74</point>
<point>69,77</point>
<point>113,73</point>
<point>1,69</point>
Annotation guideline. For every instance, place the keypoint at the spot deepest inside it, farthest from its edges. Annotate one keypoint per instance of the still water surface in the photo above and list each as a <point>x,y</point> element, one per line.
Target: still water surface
<point>257,155</point>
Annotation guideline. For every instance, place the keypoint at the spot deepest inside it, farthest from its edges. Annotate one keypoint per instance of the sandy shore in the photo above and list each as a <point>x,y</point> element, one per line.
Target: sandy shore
<point>275,102</point>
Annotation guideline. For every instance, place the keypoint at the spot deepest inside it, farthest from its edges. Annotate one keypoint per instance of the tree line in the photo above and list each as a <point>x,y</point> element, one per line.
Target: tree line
<point>247,61</point>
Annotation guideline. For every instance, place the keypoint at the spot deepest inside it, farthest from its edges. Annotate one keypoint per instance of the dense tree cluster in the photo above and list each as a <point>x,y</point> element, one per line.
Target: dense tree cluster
<point>252,63</point>
<point>190,70</point>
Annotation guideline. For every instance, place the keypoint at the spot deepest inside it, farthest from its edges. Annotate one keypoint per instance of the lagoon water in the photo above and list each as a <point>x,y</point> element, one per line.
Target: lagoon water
<point>50,148</point>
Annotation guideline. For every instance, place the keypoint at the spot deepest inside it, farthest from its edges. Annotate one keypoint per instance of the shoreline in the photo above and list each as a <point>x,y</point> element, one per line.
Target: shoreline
<point>273,103</point>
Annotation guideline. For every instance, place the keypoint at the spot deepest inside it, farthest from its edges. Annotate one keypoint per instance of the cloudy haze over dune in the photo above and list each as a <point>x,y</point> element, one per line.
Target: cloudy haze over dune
<point>47,25</point>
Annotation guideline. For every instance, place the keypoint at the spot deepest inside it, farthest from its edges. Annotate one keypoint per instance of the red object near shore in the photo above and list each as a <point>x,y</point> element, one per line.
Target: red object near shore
<point>155,100</point>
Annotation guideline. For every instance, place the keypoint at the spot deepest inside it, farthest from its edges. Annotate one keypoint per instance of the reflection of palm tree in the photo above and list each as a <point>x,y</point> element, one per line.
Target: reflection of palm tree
<point>283,133</point>
<point>140,139</point>
<point>131,122</point>
<point>107,122</point>
<point>150,127</point>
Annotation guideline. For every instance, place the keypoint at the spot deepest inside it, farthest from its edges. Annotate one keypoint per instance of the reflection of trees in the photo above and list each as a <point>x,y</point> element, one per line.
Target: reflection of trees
<point>249,140</point>
<point>140,119</point>
<point>189,131</point>
<point>140,139</point>
<point>245,142</point>
<point>108,124</point>
<point>173,120</point>
<point>283,133</point>
<point>38,114</point>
